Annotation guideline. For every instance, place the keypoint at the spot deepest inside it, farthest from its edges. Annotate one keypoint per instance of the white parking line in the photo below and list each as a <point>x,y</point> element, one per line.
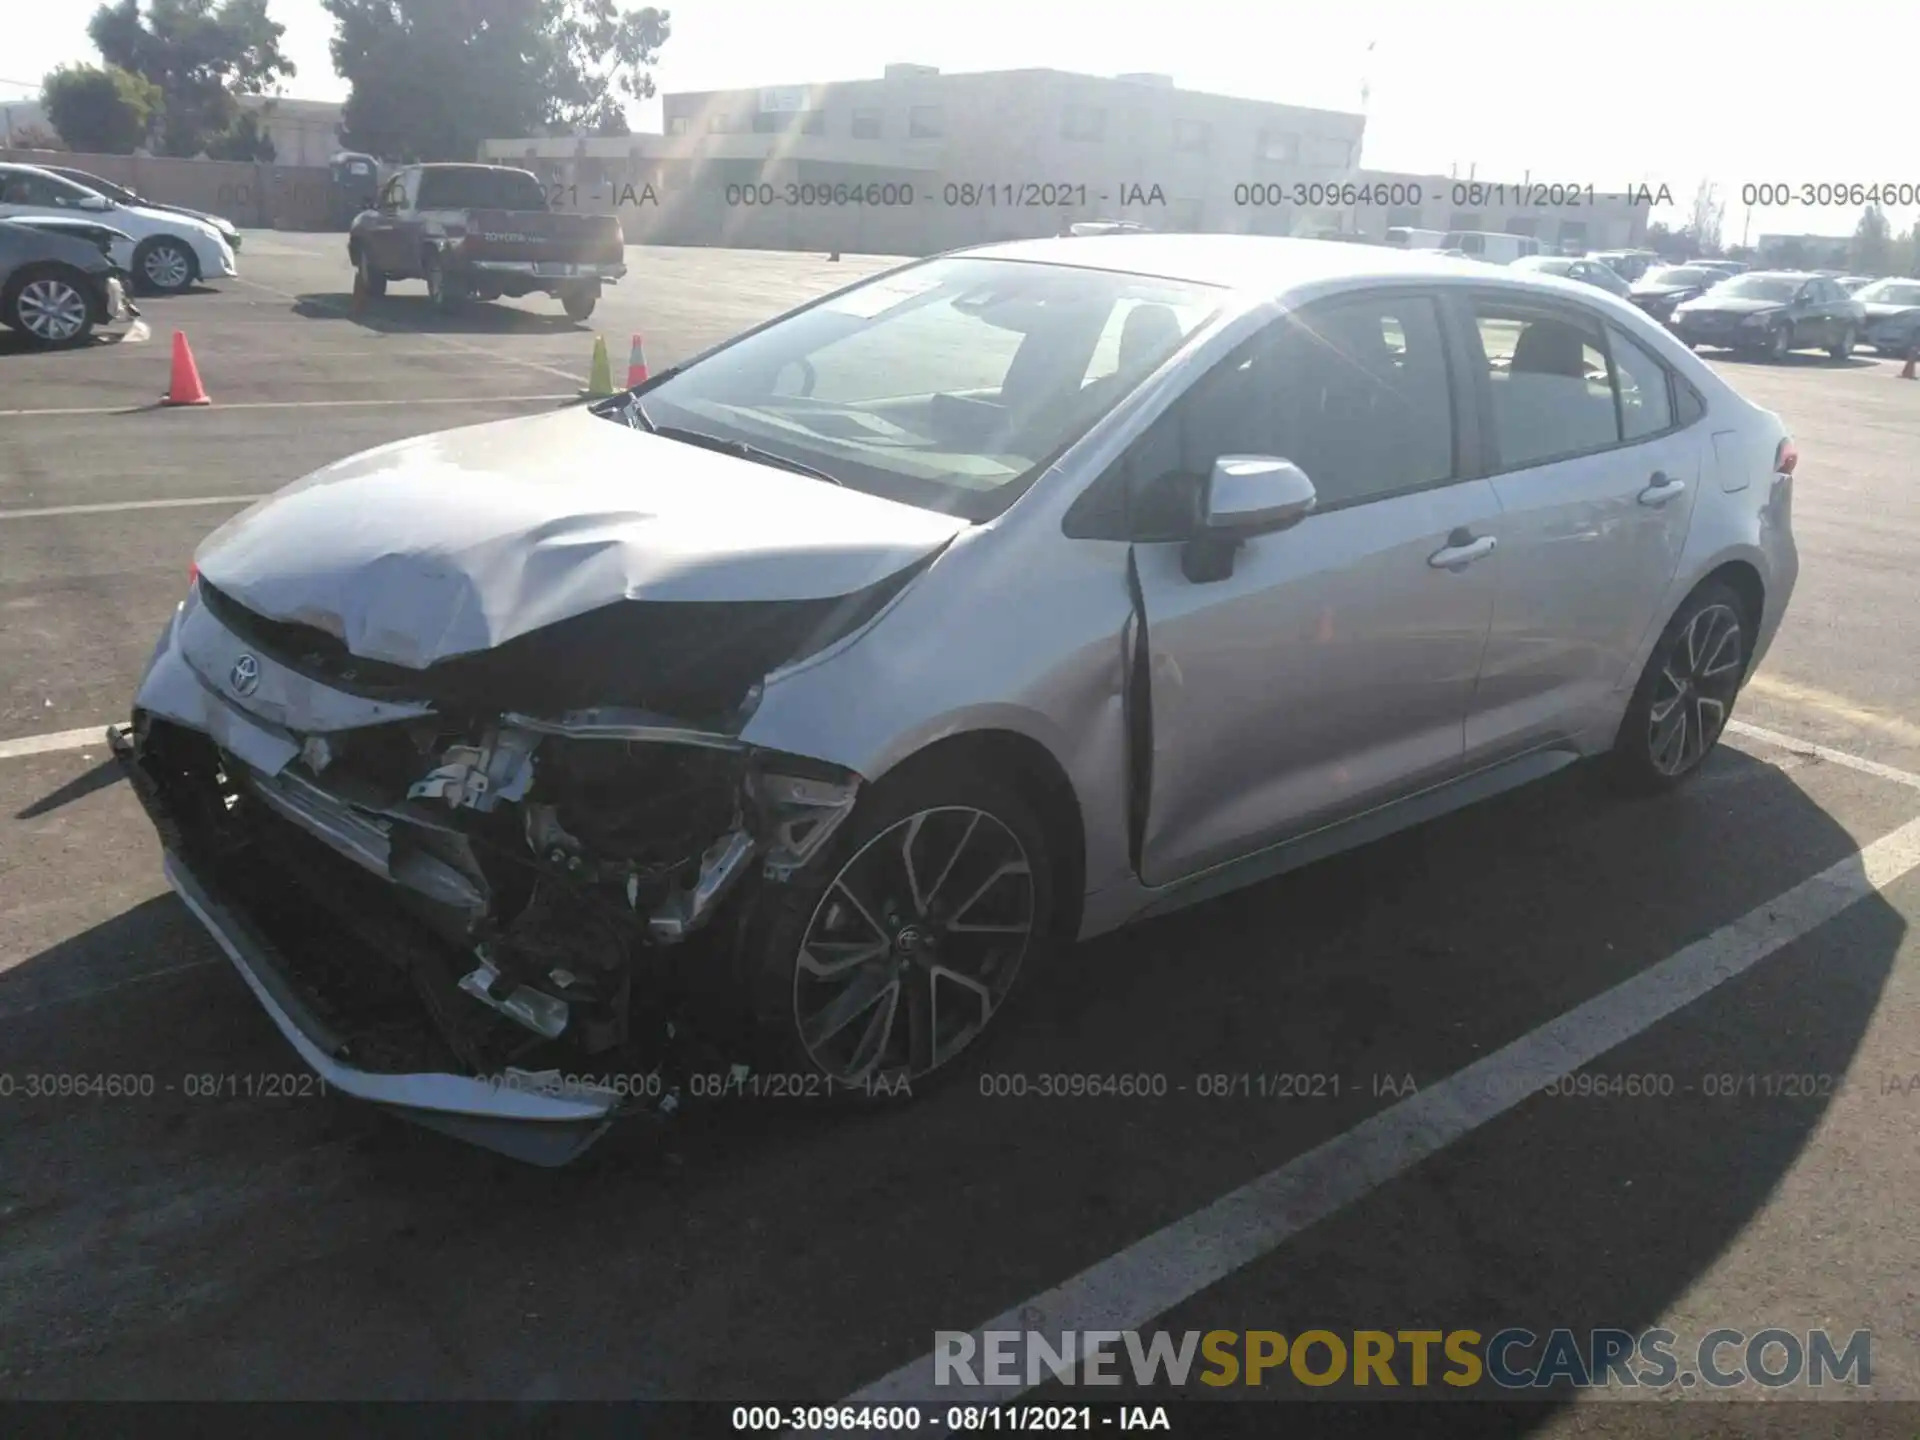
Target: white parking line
<point>303,404</point>
<point>1838,706</point>
<point>1169,1267</point>
<point>1823,752</point>
<point>109,507</point>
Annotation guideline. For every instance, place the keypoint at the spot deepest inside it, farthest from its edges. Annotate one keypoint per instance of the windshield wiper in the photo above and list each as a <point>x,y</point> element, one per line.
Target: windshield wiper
<point>739,448</point>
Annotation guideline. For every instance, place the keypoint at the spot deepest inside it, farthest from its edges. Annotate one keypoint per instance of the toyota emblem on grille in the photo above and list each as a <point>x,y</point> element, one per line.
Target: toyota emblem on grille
<point>245,675</point>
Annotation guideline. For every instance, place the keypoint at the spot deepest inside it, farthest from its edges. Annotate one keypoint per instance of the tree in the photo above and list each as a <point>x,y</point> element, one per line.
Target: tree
<point>1872,249</point>
<point>243,140</point>
<point>1906,259</point>
<point>102,111</point>
<point>201,58</point>
<point>433,78</point>
<point>1703,219</point>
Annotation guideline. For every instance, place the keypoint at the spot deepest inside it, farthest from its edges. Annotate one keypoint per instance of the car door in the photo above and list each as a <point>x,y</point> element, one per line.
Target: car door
<point>1808,327</point>
<point>1331,669</point>
<point>1596,478</point>
<point>383,234</point>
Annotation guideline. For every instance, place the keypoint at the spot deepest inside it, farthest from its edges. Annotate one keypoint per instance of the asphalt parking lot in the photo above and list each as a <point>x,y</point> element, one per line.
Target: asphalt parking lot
<point>1750,935</point>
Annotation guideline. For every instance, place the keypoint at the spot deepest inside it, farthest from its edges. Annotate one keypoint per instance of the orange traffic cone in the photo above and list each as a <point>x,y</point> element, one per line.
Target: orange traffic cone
<point>636,364</point>
<point>185,388</point>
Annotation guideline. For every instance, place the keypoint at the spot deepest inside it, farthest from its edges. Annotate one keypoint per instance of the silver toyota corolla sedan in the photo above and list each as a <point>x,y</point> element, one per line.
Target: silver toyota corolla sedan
<point>753,731</point>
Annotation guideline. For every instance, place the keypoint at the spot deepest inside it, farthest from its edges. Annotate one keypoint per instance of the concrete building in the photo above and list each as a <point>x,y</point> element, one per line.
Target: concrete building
<point>957,159</point>
<point>303,132</point>
<point>1564,218</point>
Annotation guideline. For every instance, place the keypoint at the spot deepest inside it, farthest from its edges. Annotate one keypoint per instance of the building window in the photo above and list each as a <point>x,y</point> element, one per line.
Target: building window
<point>778,122</point>
<point>1084,122</point>
<point>1408,215</point>
<point>1329,151</point>
<point>1526,225</point>
<point>1464,220</point>
<point>719,124</point>
<point>1278,145</point>
<point>925,122</point>
<point>1573,232</point>
<point>866,125</point>
<point>677,125</point>
<point>1192,137</point>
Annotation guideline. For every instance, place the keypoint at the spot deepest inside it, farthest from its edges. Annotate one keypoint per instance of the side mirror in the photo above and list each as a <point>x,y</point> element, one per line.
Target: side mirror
<point>1246,495</point>
<point>93,202</point>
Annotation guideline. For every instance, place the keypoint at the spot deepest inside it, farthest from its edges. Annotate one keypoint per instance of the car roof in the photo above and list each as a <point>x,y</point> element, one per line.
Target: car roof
<point>1256,266</point>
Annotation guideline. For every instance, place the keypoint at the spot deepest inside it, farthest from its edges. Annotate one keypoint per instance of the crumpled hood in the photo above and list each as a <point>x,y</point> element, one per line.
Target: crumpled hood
<point>452,543</point>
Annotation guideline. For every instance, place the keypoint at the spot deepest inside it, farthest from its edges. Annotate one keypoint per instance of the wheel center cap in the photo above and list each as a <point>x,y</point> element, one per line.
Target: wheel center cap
<point>911,940</point>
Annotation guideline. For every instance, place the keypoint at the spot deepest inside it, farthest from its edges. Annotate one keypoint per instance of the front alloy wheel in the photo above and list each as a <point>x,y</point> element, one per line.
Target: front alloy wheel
<point>51,311</point>
<point>167,267</point>
<point>913,947</point>
<point>1780,343</point>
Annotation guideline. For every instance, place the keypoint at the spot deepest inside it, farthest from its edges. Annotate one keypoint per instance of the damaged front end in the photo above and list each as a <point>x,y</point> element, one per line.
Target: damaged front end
<point>491,921</point>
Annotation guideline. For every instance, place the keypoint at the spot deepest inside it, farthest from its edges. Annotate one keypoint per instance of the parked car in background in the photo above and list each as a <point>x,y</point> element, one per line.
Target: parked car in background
<point>1891,313</point>
<point>1587,272</point>
<point>170,251</point>
<point>1492,245</point>
<point>1106,227</point>
<point>482,231</point>
<point>56,289</point>
<point>477,749</point>
<point>1775,312</point>
<point>1629,265</point>
<point>1664,287</point>
<point>1407,237</point>
<point>1725,267</point>
<point>117,245</point>
<point>1854,284</point>
<point>121,195</point>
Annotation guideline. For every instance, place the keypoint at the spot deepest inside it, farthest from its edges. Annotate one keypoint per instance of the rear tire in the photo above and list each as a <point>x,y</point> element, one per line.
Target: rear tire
<point>373,280</point>
<point>926,906</point>
<point>1686,694</point>
<point>445,291</point>
<point>579,303</point>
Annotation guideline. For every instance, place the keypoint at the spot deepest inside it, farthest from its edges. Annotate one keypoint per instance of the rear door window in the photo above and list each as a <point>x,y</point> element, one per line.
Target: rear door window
<point>1549,383</point>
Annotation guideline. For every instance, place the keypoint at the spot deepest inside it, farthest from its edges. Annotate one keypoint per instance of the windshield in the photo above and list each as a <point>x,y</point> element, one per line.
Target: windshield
<point>479,187</point>
<point>117,193</point>
<point>1681,275</point>
<point>1760,287</point>
<point>949,385</point>
<point>1890,292</point>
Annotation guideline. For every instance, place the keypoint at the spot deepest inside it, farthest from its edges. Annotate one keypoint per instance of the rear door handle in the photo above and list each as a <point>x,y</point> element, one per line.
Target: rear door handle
<point>1461,550</point>
<point>1661,488</point>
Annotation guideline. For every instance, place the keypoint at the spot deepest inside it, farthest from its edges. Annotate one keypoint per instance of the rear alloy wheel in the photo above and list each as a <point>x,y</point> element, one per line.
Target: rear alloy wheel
<point>1685,696</point>
<point>50,310</point>
<point>1845,347</point>
<point>1780,343</point>
<point>165,266</point>
<point>894,951</point>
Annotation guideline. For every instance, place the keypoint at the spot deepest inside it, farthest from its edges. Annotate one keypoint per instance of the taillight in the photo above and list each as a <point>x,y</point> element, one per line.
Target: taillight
<point>193,573</point>
<point>1785,457</point>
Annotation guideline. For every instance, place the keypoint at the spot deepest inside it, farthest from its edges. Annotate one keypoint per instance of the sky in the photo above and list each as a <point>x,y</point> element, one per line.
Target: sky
<point>1614,95</point>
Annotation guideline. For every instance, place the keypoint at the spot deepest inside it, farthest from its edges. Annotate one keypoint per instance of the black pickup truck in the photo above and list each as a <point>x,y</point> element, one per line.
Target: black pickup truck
<point>479,232</point>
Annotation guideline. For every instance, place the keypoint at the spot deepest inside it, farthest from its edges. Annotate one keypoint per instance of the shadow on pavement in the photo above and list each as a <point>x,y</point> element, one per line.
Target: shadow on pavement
<point>270,1248</point>
<point>414,314</point>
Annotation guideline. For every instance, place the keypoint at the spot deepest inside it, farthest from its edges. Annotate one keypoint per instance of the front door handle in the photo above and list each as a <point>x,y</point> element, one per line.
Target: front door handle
<point>1661,488</point>
<point>1461,550</point>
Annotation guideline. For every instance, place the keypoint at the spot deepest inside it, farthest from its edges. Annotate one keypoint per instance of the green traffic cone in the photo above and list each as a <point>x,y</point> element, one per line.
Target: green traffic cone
<point>600,379</point>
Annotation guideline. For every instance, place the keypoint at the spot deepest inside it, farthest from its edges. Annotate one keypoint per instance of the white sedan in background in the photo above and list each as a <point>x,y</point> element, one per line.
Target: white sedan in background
<point>170,252</point>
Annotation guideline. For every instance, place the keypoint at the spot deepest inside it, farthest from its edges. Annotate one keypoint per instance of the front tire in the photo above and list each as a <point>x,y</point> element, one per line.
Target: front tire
<point>896,948</point>
<point>164,266</point>
<point>1780,344</point>
<point>1845,348</point>
<point>49,307</point>
<point>1685,696</point>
